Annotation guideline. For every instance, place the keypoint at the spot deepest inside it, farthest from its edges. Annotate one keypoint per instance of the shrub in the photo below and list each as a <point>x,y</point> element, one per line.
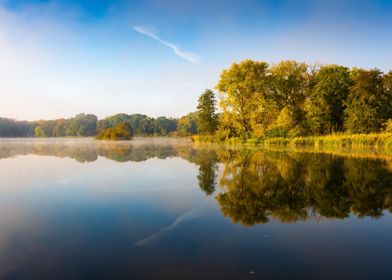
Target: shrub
<point>122,131</point>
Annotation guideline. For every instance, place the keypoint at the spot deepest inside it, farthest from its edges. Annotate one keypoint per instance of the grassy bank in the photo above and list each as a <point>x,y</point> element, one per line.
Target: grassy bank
<point>374,140</point>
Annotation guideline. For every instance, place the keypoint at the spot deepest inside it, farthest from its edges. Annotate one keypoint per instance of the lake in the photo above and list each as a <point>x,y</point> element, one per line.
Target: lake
<point>171,209</point>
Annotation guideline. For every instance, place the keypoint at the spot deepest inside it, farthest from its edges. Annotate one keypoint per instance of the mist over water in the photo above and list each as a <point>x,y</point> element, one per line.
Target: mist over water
<point>171,209</point>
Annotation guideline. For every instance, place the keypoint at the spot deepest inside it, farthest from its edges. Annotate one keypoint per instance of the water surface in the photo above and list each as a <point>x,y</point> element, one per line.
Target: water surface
<point>169,209</point>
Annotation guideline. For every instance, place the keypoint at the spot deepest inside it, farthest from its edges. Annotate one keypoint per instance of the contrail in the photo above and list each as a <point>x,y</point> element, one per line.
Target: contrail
<point>177,50</point>
<point>179,220</point>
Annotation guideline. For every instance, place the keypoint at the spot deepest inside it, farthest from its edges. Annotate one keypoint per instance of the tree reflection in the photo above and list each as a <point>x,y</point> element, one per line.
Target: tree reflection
<point>259,186</point>
<point>207,161</point>
<point>255,186</point>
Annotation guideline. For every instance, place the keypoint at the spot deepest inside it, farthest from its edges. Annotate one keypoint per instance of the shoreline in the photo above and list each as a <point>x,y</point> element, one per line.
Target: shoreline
<point>372,140</point>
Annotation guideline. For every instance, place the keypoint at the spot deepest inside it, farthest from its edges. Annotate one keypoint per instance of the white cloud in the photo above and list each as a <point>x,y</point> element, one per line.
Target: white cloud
<point>177,50</point>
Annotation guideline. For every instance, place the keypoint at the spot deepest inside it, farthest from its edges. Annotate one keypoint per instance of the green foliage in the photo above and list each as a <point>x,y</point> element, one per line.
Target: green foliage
<point>257,101</point>
<point>81,125</point>
<point>187,125</point>
<point>289,81</point>
<point>207,118</point>
<point>165,126</point>
<point>142,125</point>
<point>12,128</point>
<point>39,132</point>
<point>254,95</point>
<point>326,104</point>
<point>241,87</point>
<point>112,121</point>
<point>292,99</point>
<point>367,103</point>
<point>388,126</point>
<point>86,125</point>
<point>122,131</point>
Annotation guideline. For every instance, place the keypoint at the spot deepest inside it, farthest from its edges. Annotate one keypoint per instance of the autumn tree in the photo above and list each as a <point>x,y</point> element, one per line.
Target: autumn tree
<point>241,86</point>
<point>187,125</point>
<point>39,132</point>
<point>289,87</point>
<point>122,131</point>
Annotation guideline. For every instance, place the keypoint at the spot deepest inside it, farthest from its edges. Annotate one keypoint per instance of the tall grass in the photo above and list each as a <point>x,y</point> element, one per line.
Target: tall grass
<point>373,140</point>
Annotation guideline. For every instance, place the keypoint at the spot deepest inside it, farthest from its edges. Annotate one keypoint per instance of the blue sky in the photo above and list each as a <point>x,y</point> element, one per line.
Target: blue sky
<point>59,58</point>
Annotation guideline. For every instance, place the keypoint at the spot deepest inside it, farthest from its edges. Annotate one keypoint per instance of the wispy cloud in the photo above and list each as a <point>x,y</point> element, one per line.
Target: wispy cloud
<point>177,50</point>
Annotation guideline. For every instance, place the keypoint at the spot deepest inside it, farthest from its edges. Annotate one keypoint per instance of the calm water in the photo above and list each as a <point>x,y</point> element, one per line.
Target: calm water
<point>166,209</point>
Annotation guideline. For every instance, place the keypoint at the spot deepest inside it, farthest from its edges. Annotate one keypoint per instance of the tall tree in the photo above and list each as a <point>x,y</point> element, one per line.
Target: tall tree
<point>288,90</point>
<point>241,86</point>
<point>207,118</point>
<point>289,84</point>
<point>387,83</point>
<point>366,109</point>
<point>326,108</point>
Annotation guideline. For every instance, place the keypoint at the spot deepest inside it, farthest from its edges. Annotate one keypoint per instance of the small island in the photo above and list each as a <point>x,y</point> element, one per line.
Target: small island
<point>122,131</point>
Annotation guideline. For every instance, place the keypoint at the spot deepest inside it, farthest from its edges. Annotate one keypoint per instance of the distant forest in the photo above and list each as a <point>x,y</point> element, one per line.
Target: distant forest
<point>256,101</point>
<point>86,125</point>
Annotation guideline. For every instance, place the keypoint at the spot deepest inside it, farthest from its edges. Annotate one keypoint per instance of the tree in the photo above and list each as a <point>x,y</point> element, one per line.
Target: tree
<point>12,128</point>
<point>39,132</point>
<point>165,126</point>
<point>122,131</point>
<point>387,83</point>
<point>366,105</point>
<point>207,118</point>
<point>87,125</point>
<point>187,125</point>
<point>289,88</point>
<point>81,125</point>
<point>241,87</point>
<point>289,84</point>
<point>326,104</point>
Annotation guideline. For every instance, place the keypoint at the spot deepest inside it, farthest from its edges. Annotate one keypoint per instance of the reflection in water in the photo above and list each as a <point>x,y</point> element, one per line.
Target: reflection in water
<point>289,187</point>
<point>155,236</point>
<point>255,185</point>
<point>126,214</point>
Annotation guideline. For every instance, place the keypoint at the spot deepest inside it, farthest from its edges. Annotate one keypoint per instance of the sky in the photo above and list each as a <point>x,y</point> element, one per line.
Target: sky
<point>60,58</point>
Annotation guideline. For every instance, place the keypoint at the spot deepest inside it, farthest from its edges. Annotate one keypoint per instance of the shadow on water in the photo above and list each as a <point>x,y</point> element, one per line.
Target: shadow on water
<point>252,186</point>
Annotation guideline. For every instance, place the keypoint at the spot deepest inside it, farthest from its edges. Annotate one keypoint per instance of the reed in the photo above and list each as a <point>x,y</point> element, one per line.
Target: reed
<point>373,140</point>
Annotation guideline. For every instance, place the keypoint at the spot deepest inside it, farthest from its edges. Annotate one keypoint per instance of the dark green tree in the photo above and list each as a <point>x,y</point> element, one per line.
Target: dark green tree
<point>207,118</point>
<point>326,109</point>
<point>165,126</point>
<point>387,83</point>
<point>367,103</point>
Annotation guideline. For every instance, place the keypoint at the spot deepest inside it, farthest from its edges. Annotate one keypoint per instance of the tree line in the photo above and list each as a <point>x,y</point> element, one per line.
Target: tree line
<point>256,100</point>
<point>87,125</point>
<point>291,99</point>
